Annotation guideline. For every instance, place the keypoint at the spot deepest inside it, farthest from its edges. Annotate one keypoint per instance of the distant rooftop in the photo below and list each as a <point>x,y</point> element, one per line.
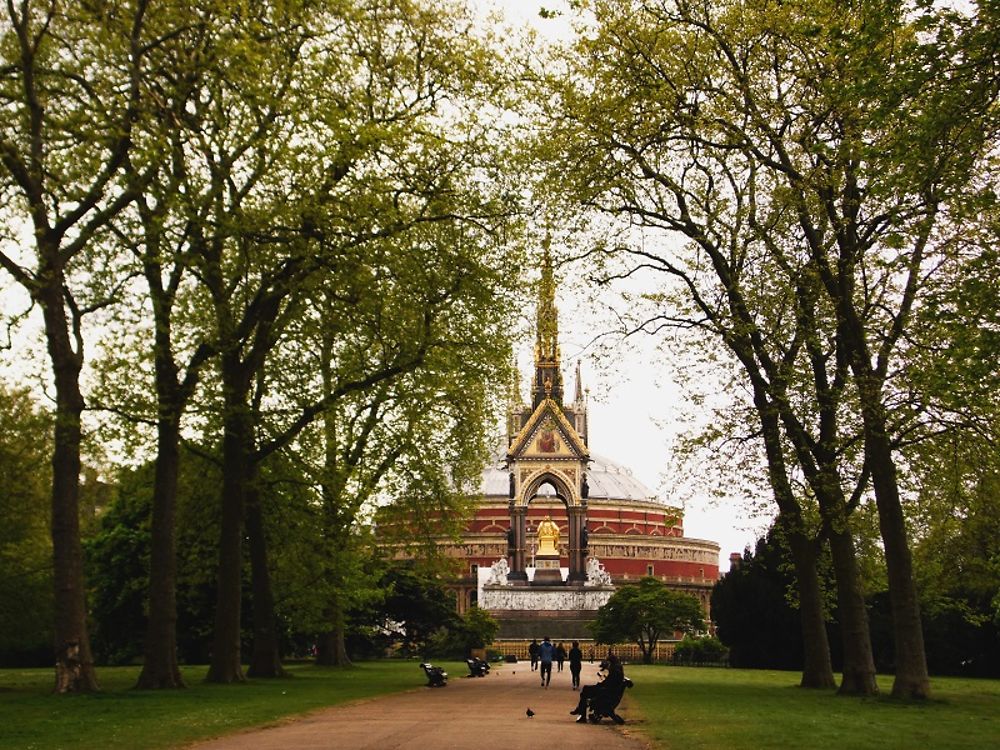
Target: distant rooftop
<point>608,480</point>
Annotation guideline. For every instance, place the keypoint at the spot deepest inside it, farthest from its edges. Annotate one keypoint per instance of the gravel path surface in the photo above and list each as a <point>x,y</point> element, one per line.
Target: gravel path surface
<point>486,713</point>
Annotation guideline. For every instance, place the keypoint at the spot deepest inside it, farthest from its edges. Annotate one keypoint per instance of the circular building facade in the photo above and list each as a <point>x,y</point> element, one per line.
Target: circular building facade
<point>629,531</point>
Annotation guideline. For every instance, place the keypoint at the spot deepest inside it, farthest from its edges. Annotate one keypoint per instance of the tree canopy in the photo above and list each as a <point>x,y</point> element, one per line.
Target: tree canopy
<point>646,613</point>
<point>813,162</point>
<point>319,203</point>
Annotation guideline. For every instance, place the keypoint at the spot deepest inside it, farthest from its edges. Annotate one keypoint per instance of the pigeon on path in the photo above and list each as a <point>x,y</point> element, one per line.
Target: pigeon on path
<point>529,713</point>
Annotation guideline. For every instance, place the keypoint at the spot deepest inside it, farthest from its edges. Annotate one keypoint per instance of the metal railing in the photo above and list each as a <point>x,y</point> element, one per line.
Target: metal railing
<point>627,652</point>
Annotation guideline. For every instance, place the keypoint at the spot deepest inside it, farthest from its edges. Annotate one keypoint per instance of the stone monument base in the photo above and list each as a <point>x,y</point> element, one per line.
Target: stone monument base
<point>561,612</point>
<point>547,572</point>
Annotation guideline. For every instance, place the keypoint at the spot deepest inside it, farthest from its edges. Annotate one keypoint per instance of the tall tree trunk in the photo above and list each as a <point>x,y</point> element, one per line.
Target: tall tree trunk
<point>266,658</point>
<point>340,659</point>
<point>159,667</point>
<point>331,650</point>
<point>225,666</point>
<point>859,665</point>
<point>911,680</point>
<point>74,661</point>
<point>817,669</point>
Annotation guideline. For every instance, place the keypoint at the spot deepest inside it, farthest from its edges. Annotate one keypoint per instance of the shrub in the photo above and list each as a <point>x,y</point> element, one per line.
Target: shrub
<point>476,629</point>
<point>706,650</point>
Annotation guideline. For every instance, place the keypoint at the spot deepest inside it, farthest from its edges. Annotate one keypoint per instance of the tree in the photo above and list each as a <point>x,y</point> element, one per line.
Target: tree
<point>751,611</point>
<point>327,161</point>
<point>646,613</point>
<point>952,386</point>
<point>455,640</point>
<point>795,376</point>
<point>73,86</point>
<point>704,650</point>
<point>416,606</point>
<point>118,560</point>
<point>784,142</point>
<point>480,628</point>
<point>371,166</point>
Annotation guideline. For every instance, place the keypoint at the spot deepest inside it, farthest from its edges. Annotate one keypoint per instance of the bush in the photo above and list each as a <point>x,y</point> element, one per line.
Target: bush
<point>476,629</point>
<point>707,650</point>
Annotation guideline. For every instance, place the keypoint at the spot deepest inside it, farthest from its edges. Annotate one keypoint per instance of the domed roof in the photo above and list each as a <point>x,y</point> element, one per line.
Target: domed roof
<point>608,480</point>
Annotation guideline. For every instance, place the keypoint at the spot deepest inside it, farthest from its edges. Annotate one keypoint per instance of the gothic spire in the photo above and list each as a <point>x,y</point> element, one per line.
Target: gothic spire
<point>547,341</point>
<point>548,378</point>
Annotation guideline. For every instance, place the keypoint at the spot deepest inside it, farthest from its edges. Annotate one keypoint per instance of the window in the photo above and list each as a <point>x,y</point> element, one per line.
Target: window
<point>649,569</point>
<point>474,570</point>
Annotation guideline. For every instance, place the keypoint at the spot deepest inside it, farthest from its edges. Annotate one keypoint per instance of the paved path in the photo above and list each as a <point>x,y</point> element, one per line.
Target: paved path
<point>486,713</point>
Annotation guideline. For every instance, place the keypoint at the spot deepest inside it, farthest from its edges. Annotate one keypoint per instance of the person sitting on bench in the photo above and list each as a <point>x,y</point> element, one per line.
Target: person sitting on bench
<point>477,667</point>
<point>607,691</point>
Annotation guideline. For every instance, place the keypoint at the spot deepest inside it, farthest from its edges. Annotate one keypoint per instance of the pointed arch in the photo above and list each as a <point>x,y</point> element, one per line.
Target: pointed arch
<point>563,491</point>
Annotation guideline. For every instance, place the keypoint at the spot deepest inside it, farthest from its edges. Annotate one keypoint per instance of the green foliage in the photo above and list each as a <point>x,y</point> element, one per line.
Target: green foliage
<point>957,549</point>
<point>704,650</point>
<point>318,197</point>
<point>197,553</point>
<point>751,611</point>
<point>117,560</point>
<point>475,629</point>
<point>481,627</point>
<point>956,466</point>
<point>823,163</point>
<point>25,546</point>
<point>416,607</point>
<point>645,613</point>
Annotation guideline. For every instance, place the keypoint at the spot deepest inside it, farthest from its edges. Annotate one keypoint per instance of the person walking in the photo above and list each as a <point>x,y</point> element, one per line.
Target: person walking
<point>560,656</point>
<point>533,653</point>
<point>546,652</point>
<point>575,664</point>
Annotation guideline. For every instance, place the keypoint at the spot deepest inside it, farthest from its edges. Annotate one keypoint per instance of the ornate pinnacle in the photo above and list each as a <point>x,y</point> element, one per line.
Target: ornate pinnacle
<point>548,379</point>
<point>547,343</point>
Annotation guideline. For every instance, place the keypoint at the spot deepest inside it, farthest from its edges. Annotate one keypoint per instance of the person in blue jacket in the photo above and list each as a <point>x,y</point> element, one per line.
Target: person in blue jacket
<point>546,652</point>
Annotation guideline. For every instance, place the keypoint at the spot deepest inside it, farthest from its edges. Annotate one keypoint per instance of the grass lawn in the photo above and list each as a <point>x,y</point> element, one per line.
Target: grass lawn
<point>691,708</point>
<point>31,718</point>
<point>677,707</point>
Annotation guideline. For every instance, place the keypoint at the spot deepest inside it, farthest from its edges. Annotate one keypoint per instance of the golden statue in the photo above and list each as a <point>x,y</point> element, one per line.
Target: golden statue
<point>548,537</point>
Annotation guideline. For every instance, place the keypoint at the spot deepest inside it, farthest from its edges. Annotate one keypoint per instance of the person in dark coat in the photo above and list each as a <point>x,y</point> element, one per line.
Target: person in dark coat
<point>612,685</point>
<point>575,663</point>
<point>533,653</point>
<point>560,656</point>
